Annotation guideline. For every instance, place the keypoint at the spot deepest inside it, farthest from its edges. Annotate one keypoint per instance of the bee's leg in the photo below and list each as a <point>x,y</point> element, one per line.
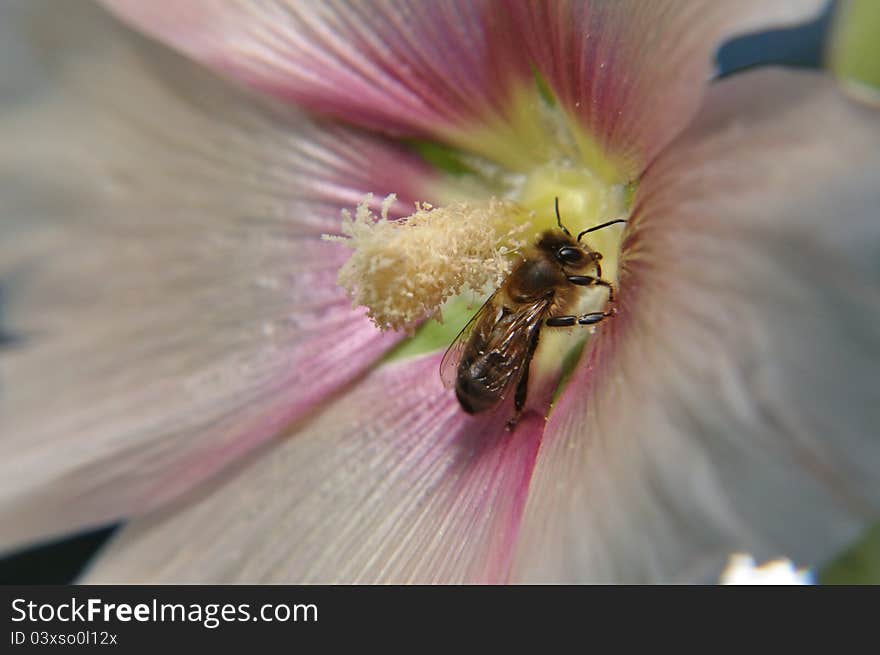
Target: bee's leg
<point>585,319</point>
<point>522,385</point>
<point>589,281</point>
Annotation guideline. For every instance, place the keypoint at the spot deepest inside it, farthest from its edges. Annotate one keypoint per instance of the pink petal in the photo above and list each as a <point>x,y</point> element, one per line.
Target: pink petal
<point>162,272</point>
<point>400,66</point>
<point>391,483</point>
<point>633,71</point>
<point>732,405</point>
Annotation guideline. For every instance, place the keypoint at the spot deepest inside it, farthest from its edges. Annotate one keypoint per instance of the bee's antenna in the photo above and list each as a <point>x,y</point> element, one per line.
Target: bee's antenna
<point>599,227</point>
<point>559,219</point>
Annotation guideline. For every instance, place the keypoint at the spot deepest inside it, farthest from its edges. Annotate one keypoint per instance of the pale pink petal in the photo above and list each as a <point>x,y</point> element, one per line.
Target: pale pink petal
<point>633,71</point>
<point>391,483</point>
<point>167,301</point>
<point>403,66</point>
<point>733,404</point>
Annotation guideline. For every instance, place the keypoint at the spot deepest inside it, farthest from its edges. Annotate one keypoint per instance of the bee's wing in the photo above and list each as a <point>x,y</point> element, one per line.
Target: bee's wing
<point>505,334</point>
<point>449,365</point>
<point>508,343</point>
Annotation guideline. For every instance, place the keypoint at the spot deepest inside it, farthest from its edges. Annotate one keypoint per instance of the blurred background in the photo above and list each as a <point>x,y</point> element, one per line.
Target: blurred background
<point>61,561</point>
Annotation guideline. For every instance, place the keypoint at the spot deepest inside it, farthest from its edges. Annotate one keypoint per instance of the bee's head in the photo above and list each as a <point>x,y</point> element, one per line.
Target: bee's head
<point>566,251</point>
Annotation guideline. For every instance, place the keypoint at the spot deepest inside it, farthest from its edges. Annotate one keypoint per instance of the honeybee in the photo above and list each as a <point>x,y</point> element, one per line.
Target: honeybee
<point>492,354</point>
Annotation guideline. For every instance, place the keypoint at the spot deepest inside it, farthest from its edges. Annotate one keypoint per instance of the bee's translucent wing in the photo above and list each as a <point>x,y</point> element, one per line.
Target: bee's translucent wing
<point>505,345</point>
<point>449,365</point>
<point>502,335</point>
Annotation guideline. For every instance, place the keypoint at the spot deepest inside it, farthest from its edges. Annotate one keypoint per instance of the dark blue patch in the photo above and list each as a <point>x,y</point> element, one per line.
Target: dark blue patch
<point>802,46</point>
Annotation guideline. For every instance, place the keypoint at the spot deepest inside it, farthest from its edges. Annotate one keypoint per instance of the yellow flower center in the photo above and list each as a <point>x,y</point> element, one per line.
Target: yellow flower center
<point>440,263</point>
<point>584,201</point>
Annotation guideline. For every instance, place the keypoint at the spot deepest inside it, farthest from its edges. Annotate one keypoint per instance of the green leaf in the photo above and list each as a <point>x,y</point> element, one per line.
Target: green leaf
<point>854,51</point>
<point>446,159</point>
<point>434,335</point>
<point>858,565</point>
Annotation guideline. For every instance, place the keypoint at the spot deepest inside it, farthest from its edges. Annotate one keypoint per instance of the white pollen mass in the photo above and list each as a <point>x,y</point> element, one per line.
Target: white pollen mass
<point>403,270</point>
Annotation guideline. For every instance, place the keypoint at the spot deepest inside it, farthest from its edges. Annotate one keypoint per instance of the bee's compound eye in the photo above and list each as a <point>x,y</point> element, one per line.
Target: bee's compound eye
<point>569,255</point>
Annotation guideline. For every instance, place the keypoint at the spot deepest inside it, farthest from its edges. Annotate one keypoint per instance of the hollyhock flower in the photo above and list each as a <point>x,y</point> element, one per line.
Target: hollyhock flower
<point>179,352</point>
